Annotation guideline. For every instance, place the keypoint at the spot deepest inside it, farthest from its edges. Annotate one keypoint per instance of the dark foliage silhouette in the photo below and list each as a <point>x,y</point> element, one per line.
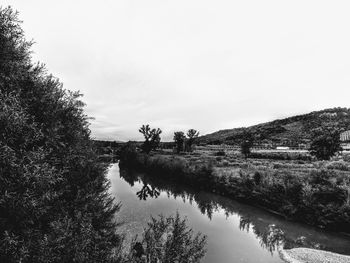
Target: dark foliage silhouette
<point>147,191</point>
<point>54,205</point>
<point>192,135</point>
<point>325,143</point>
<point>168,239</point>
<point>152,138</point>
<point>179,139</point>
<point>247,144</point>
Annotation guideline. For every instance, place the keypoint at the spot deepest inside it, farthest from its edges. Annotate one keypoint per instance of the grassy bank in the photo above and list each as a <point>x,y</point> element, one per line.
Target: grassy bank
<point>316,193</point>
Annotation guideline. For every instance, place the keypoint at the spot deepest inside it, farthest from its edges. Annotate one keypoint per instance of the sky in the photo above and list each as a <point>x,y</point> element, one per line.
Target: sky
<point>201,64</point>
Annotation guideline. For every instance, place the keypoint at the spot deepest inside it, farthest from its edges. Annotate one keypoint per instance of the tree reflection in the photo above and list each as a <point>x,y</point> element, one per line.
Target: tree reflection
<point>270,236</point>
<point>206,205</point>
<point>244,224</point>
<point>269,229</point>
<point>147,191</point>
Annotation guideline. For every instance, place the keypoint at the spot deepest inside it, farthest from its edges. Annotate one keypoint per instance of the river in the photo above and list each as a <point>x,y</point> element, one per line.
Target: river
<point>236,232</point>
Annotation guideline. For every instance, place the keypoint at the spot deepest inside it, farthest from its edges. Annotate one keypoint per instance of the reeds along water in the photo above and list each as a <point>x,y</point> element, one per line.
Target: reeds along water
<point>313,193</point>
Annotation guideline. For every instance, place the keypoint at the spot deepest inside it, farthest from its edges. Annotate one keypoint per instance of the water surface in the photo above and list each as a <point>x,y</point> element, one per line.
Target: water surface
<point>236,232</point>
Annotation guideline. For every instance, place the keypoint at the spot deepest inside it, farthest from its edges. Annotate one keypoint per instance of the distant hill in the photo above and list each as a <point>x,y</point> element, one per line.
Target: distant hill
<point>291,131</point>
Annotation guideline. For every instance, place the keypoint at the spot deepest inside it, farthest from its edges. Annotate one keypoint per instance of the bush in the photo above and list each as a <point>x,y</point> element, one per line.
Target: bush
<point>281,156</point>
<point>225,163</point>
<point>346,157</point>
<point>168,239</point>
<point>220,153</point>
<point>257,178</point>
<point>128,153</point>
<point>338,166</point>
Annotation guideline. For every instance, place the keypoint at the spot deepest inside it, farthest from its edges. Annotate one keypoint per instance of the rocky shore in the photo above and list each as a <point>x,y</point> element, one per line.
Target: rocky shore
<point>307,255</point>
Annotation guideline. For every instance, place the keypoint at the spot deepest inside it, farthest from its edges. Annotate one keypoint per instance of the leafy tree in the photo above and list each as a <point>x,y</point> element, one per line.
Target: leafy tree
<point>179,138</point>
<point>152,138</point>
<point>192,135</point>
<point>54,201</point>
<point>325,142</point>
<point>168,239</point>
<point>247,144</point>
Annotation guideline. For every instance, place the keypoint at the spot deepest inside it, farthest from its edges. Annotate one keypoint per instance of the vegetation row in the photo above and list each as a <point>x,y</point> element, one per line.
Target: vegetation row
<point>314,193</point>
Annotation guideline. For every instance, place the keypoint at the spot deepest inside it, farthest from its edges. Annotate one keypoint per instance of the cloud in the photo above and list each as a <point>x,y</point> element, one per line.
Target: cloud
<point>198,64</point>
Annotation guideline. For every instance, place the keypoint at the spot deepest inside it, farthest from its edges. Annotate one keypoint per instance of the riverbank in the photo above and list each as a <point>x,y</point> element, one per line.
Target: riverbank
<point>307,255</point>
<point>316,193</point>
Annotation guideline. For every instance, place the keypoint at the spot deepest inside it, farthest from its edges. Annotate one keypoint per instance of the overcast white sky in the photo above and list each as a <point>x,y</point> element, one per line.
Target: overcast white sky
<point>200,64</point>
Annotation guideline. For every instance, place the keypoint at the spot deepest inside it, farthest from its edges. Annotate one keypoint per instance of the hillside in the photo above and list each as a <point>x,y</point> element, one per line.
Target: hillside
<point>290,131</point>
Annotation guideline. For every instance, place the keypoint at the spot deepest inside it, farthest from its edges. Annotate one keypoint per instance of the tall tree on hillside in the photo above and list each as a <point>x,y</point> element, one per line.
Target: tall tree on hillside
<point>179,139</point>
<point>192,135</point>
<point>325,142</point>
<point>152,138</point>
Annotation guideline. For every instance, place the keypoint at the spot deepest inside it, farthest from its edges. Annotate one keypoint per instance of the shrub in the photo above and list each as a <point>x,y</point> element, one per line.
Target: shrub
<point>168,239</point>
<point>128,153</point>
<point>346,157</point>
<point>338,166</point>
<point>220,153</point>
<point>280,156</point>
<point>257,178</point>
<point>225,163</point>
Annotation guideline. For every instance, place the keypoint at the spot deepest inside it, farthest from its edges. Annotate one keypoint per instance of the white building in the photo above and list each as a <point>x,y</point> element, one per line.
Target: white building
<point>345,140</point>
<point>345,136</point>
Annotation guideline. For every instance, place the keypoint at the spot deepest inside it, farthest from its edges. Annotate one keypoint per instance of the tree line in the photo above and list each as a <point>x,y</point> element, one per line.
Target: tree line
<point>183,142</point>
<point>325,141</point>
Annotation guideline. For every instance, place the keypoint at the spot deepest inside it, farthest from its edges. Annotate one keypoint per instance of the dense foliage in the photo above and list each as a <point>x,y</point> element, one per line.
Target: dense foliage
<point>317,194</point>
<point>54,205</point>
<point>192,135</point>
<point>183,143</point>
<point>247,144</point>
<point>168,239</point>
<point>325,143</point>
<point>179,139</point>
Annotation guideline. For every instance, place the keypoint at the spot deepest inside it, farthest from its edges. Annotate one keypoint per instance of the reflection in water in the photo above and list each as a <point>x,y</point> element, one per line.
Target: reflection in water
<point>271,230</point>
<point>147,191</point>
